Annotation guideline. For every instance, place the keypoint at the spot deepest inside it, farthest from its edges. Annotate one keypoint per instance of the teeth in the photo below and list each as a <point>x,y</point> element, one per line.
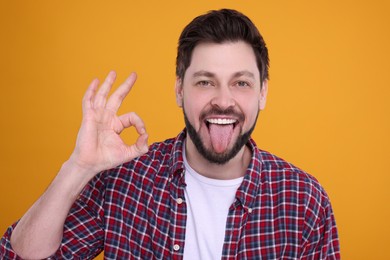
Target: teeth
<point>220,121</point>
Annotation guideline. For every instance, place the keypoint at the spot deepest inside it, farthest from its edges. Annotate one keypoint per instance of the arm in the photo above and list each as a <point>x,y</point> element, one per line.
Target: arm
<point>99,147</point>
<point>320,235</point>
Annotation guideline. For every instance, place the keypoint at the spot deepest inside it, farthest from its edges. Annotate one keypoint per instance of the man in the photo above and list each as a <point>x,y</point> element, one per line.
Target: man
<point>209,193</point>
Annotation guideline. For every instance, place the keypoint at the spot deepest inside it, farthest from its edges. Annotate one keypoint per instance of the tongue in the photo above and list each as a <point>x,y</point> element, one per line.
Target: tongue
<point>220,136</point>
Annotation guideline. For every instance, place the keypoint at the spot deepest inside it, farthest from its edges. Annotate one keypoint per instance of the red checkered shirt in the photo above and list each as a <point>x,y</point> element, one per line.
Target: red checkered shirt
<point>138,211</point>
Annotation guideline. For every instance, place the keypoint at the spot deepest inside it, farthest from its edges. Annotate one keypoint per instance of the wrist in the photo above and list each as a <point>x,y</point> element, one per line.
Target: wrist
<point>74,177</point>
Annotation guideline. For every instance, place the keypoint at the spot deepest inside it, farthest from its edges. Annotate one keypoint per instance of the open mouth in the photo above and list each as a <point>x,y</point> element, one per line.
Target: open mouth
<point>221,121</point>
<point>221,132</point>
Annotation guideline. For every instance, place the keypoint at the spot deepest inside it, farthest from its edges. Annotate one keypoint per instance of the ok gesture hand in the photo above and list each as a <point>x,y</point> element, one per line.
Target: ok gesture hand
<point>99,145</point>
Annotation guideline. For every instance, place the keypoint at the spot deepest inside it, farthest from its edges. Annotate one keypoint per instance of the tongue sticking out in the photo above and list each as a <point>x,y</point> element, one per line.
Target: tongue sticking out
<point>220,136</point>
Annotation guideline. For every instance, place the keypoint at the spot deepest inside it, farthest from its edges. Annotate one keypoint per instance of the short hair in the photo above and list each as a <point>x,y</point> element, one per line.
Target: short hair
<point>219,26</point>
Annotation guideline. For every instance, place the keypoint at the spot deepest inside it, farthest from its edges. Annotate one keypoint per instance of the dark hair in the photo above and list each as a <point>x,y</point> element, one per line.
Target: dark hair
<point>218,27</point>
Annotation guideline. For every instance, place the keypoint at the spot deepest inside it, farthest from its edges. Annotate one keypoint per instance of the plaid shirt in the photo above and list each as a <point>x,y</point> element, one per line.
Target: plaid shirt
<point>138,211</point>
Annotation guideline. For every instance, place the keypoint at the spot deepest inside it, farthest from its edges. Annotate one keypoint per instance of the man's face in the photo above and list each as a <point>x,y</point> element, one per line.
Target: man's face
<point>221,96</point>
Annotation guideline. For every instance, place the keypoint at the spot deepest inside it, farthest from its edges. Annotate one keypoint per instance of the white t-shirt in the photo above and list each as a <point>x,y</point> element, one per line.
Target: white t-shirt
<point>208,202</point>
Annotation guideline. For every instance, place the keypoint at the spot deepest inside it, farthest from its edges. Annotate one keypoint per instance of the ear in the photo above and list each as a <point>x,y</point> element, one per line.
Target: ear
<point>263,95</point>
<point>179,92</point>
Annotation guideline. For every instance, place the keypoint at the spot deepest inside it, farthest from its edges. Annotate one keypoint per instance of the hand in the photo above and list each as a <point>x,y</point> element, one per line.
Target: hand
<point>99,146</point>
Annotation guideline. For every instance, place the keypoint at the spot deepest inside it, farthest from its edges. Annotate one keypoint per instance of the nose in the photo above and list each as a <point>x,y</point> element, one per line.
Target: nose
<point>223,98</point>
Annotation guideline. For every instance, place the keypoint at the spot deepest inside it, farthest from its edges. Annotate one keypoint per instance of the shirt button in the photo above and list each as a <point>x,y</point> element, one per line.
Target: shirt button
<point>179,201</point>
<point>250,210</point>
<point>176,247</point>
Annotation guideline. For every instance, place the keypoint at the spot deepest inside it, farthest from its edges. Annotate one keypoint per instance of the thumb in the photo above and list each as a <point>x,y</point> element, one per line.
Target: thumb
<point>139,148</point>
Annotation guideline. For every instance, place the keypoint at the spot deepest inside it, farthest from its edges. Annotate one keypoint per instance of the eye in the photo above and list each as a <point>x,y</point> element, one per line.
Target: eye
<point>243,84</point>
<point>204,83</point>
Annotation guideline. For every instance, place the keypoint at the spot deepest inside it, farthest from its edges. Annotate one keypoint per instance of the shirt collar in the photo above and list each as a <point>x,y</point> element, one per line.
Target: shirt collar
<point>177,162</point>
<point>248,190</point>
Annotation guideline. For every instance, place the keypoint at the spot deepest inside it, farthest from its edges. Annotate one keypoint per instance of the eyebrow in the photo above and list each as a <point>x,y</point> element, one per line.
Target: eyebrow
<point>204,73</point>
<point>244,73</point>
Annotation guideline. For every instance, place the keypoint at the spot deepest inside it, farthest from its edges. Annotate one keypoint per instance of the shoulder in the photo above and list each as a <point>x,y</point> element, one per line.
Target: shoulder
<point>158,158</point>
<point>137,174</point>
<point>276,168</point>
<point>283,176</point>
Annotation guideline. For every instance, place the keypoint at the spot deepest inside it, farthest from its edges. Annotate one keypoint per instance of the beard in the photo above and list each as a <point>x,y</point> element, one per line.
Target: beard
<point>209,154</point>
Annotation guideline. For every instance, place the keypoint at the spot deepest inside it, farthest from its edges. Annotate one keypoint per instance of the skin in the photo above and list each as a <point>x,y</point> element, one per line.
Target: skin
<point>221,76</point>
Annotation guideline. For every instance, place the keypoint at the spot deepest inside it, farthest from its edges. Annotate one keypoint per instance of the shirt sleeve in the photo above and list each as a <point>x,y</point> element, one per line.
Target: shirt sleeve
<point>6,251</point>
<point>83,229</point>
<point>320,237</point>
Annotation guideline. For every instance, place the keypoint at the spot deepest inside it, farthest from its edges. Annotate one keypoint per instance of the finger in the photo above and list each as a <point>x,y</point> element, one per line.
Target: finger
<point>141,145</point>
<point>116,99</point>
<point>132,119</point>
<point>101,95</point>
<point>139,148</point>
<point>88,96</point>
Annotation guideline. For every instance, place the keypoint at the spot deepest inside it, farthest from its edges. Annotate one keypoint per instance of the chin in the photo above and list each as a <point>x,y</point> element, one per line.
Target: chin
<point>208,153</point>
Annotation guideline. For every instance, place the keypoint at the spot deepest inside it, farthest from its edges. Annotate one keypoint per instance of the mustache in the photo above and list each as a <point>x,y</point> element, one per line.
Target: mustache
<point>216,111</point>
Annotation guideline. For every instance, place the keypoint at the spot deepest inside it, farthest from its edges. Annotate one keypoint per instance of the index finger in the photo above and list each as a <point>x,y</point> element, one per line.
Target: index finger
<point>132,119</point>
<point>116,99</point>
<point>88,96</point>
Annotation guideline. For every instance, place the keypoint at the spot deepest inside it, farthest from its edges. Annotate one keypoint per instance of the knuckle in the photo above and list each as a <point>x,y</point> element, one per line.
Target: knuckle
<point>133,114</point>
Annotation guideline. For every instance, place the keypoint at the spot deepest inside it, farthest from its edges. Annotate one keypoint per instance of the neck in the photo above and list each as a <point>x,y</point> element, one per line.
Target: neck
<point>234,168</point>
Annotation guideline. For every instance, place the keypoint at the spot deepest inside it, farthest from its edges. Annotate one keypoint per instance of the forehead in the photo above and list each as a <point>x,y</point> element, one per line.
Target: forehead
<point>223,59</point>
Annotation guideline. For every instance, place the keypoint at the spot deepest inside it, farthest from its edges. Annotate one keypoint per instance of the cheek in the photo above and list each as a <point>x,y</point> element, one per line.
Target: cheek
<point>250,108</point>
<point>193,107</point>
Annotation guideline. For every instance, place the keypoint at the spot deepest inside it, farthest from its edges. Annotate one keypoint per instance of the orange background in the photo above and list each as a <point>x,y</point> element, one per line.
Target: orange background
<point>327,112</point>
